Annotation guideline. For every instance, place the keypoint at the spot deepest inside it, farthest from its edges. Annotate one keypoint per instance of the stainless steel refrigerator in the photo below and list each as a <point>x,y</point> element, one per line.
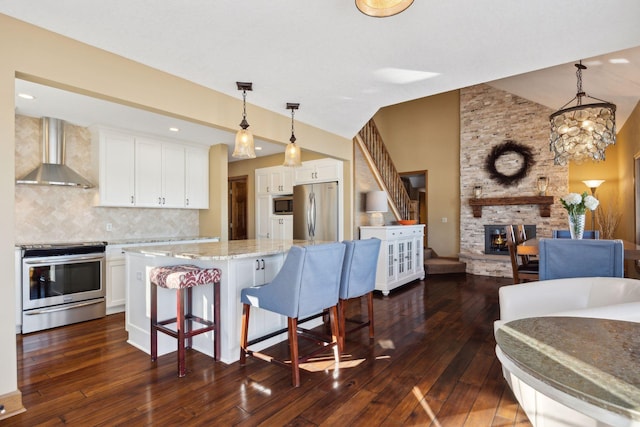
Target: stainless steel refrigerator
<point>315,211</point>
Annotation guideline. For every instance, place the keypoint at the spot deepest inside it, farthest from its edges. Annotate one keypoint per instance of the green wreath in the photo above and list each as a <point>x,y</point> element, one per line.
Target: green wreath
<point>502,149</point>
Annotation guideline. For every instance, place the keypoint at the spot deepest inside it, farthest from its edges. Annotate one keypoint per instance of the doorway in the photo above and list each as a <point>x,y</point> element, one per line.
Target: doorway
<point>416,184</point>
<point>237,187</point>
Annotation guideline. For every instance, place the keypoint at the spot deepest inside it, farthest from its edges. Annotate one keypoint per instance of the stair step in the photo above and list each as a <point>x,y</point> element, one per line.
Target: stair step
<point>444,266</point>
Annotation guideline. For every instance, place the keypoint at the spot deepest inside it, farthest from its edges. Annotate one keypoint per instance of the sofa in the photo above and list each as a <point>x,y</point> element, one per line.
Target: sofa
<point>596,297</point>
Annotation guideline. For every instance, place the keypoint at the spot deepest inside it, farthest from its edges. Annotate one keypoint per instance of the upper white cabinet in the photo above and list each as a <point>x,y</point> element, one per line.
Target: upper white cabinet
<point>322,170</point>
<point>274,180</point>
<point>143,171</point>
<point>116,156</point>
<point>197,178</point>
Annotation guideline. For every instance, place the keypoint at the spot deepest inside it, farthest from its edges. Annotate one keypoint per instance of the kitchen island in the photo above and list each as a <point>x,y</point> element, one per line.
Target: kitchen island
<point>243,263</point>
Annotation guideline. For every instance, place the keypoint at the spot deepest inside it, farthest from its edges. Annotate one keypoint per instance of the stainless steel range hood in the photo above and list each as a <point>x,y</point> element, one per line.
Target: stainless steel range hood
<point>53,171</point>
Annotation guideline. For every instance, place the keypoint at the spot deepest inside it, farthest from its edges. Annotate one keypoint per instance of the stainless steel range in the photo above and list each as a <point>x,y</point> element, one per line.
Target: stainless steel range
<point>62,283</point>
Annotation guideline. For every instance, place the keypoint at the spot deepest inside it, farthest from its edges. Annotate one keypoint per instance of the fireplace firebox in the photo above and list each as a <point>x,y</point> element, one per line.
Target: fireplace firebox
<point>495,238</point>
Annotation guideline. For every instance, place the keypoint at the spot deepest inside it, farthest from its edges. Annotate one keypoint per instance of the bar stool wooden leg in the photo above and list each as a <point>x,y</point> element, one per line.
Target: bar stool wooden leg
<point>216,320</point>
<point>154,323</point>
<point>180,324</point>
<point>293,348</point>
<point>370,304</point>
<point>244,330</point>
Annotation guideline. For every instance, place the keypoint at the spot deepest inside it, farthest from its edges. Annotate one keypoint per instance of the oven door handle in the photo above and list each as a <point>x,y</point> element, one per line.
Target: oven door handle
<point>63,308</point>
<point>52,260</point>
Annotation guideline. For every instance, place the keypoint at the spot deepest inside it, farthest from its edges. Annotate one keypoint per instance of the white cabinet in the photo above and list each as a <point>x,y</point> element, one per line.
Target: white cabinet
<point>322,170</point>
<point>115,279</point>
<point>117,165</point>
<point>197,178</point>
<point>142,171</point>
<point>159,174</point>
<point>274,180</point>
<point>258,271</point>
<point>401,254</point>
<point>263,216</point>
<point>281,227</point>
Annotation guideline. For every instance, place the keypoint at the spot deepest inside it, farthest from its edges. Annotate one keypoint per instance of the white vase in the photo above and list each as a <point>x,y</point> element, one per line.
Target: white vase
<point>576,225</point>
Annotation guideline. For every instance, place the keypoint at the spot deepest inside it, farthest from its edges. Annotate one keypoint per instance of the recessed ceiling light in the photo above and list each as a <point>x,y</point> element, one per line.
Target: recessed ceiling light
<point>619,61</point>
<point>174,129</point>
<point>26,96</point>
<point>257,148</point>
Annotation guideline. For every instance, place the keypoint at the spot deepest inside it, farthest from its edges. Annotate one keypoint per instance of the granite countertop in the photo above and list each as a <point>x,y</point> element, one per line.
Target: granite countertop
<point>220,250</point>
<point>594,360</point>
<point>140,240</point>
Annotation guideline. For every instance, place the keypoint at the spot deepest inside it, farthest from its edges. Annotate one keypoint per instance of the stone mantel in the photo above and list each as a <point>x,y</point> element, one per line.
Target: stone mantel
<point>544,202</point>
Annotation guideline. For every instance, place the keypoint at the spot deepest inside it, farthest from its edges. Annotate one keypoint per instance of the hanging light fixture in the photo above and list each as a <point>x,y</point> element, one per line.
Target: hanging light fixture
<point>582,132</point>
<point>244,148</point>
<point>382,8</point>
<point>292,152</point>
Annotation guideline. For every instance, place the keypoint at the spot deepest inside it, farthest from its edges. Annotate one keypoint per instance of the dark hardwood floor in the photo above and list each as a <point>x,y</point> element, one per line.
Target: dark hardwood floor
<point>432,364</point>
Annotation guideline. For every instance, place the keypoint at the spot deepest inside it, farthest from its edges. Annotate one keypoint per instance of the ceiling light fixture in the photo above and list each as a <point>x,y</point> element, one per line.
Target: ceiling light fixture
<point>382,8</point>
<point>244,138</point>
<point>292,152</point>
<point>582,132</point>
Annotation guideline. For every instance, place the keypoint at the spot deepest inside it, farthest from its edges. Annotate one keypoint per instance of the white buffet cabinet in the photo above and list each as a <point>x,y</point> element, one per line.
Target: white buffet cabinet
<point>401,254</point>
<point>243,263</point>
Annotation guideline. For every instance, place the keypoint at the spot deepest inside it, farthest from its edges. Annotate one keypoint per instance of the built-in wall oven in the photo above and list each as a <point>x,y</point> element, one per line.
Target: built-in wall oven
<point>62,284</point>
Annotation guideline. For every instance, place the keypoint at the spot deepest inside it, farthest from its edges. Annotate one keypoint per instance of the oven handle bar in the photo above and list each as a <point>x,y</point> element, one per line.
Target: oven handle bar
<point>63,308</point>
<point>53,260</point>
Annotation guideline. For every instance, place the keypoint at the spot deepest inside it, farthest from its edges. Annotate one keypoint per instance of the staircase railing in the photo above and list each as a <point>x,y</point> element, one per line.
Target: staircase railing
<point>383,168</point>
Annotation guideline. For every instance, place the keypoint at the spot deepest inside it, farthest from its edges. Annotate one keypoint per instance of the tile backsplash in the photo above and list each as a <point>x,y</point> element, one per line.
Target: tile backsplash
<point>64,214</point>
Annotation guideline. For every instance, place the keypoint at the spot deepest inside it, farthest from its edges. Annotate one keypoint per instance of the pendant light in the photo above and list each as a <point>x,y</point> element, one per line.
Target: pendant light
<point>582,132</point>
<point>244,148</point>
<point>292,152</point>
<point>382,8</point>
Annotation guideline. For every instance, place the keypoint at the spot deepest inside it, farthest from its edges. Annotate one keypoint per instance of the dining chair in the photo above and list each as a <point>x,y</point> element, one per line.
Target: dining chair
<point>307,284</point>
<point>564,258</point>
<point>521,272</point>
<point>358,279</point>
<point>566,234</point>
<point>521,236</point>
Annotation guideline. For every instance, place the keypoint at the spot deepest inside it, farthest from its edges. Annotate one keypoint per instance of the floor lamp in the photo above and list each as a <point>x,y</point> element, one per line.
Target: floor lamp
<point>593,184</point>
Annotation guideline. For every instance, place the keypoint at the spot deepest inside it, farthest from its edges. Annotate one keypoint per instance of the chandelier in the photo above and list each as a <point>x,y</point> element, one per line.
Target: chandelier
<point>244,148</point>
<point>582,132</point>
<point>292,152</point>
<point>382,8</point>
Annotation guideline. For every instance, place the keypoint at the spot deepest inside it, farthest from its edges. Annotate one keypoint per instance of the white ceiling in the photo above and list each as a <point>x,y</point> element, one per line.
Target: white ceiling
<point>342,66</point>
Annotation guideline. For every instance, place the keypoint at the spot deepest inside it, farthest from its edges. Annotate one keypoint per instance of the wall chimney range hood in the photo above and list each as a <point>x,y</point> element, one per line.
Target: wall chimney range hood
<point>52,170</point>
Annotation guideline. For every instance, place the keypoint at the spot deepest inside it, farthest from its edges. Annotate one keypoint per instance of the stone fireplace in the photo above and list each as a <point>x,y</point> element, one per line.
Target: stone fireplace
<point>488,117</point>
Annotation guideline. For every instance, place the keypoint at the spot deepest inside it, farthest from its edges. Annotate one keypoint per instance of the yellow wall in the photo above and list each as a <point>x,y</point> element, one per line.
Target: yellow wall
<point>628,145</point>
<point>608,192</point>
<point>425,135</point>
<point>41,56</point>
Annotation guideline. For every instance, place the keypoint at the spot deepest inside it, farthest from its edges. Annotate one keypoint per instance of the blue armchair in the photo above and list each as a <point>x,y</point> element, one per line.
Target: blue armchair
<point>307,283</point>
<point>564,258</point>
<point>358,279</point>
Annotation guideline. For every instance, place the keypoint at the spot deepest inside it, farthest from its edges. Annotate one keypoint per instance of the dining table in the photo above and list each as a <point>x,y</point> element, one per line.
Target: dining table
<point>530,247</point>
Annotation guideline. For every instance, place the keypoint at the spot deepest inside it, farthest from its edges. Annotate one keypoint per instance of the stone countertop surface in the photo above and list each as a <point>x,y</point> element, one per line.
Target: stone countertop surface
<point>141,240</point>
<point>217,251</point>
<point>594,360</point>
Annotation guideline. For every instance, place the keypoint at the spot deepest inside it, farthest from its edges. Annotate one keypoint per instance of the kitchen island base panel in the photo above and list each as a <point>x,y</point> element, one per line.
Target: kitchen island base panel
<point>237,273</point>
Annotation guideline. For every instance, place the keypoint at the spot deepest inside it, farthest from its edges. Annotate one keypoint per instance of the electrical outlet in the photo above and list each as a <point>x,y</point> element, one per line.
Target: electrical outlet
<point>138,275</point>
<point>444,219</point>
<point>109,226</point>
